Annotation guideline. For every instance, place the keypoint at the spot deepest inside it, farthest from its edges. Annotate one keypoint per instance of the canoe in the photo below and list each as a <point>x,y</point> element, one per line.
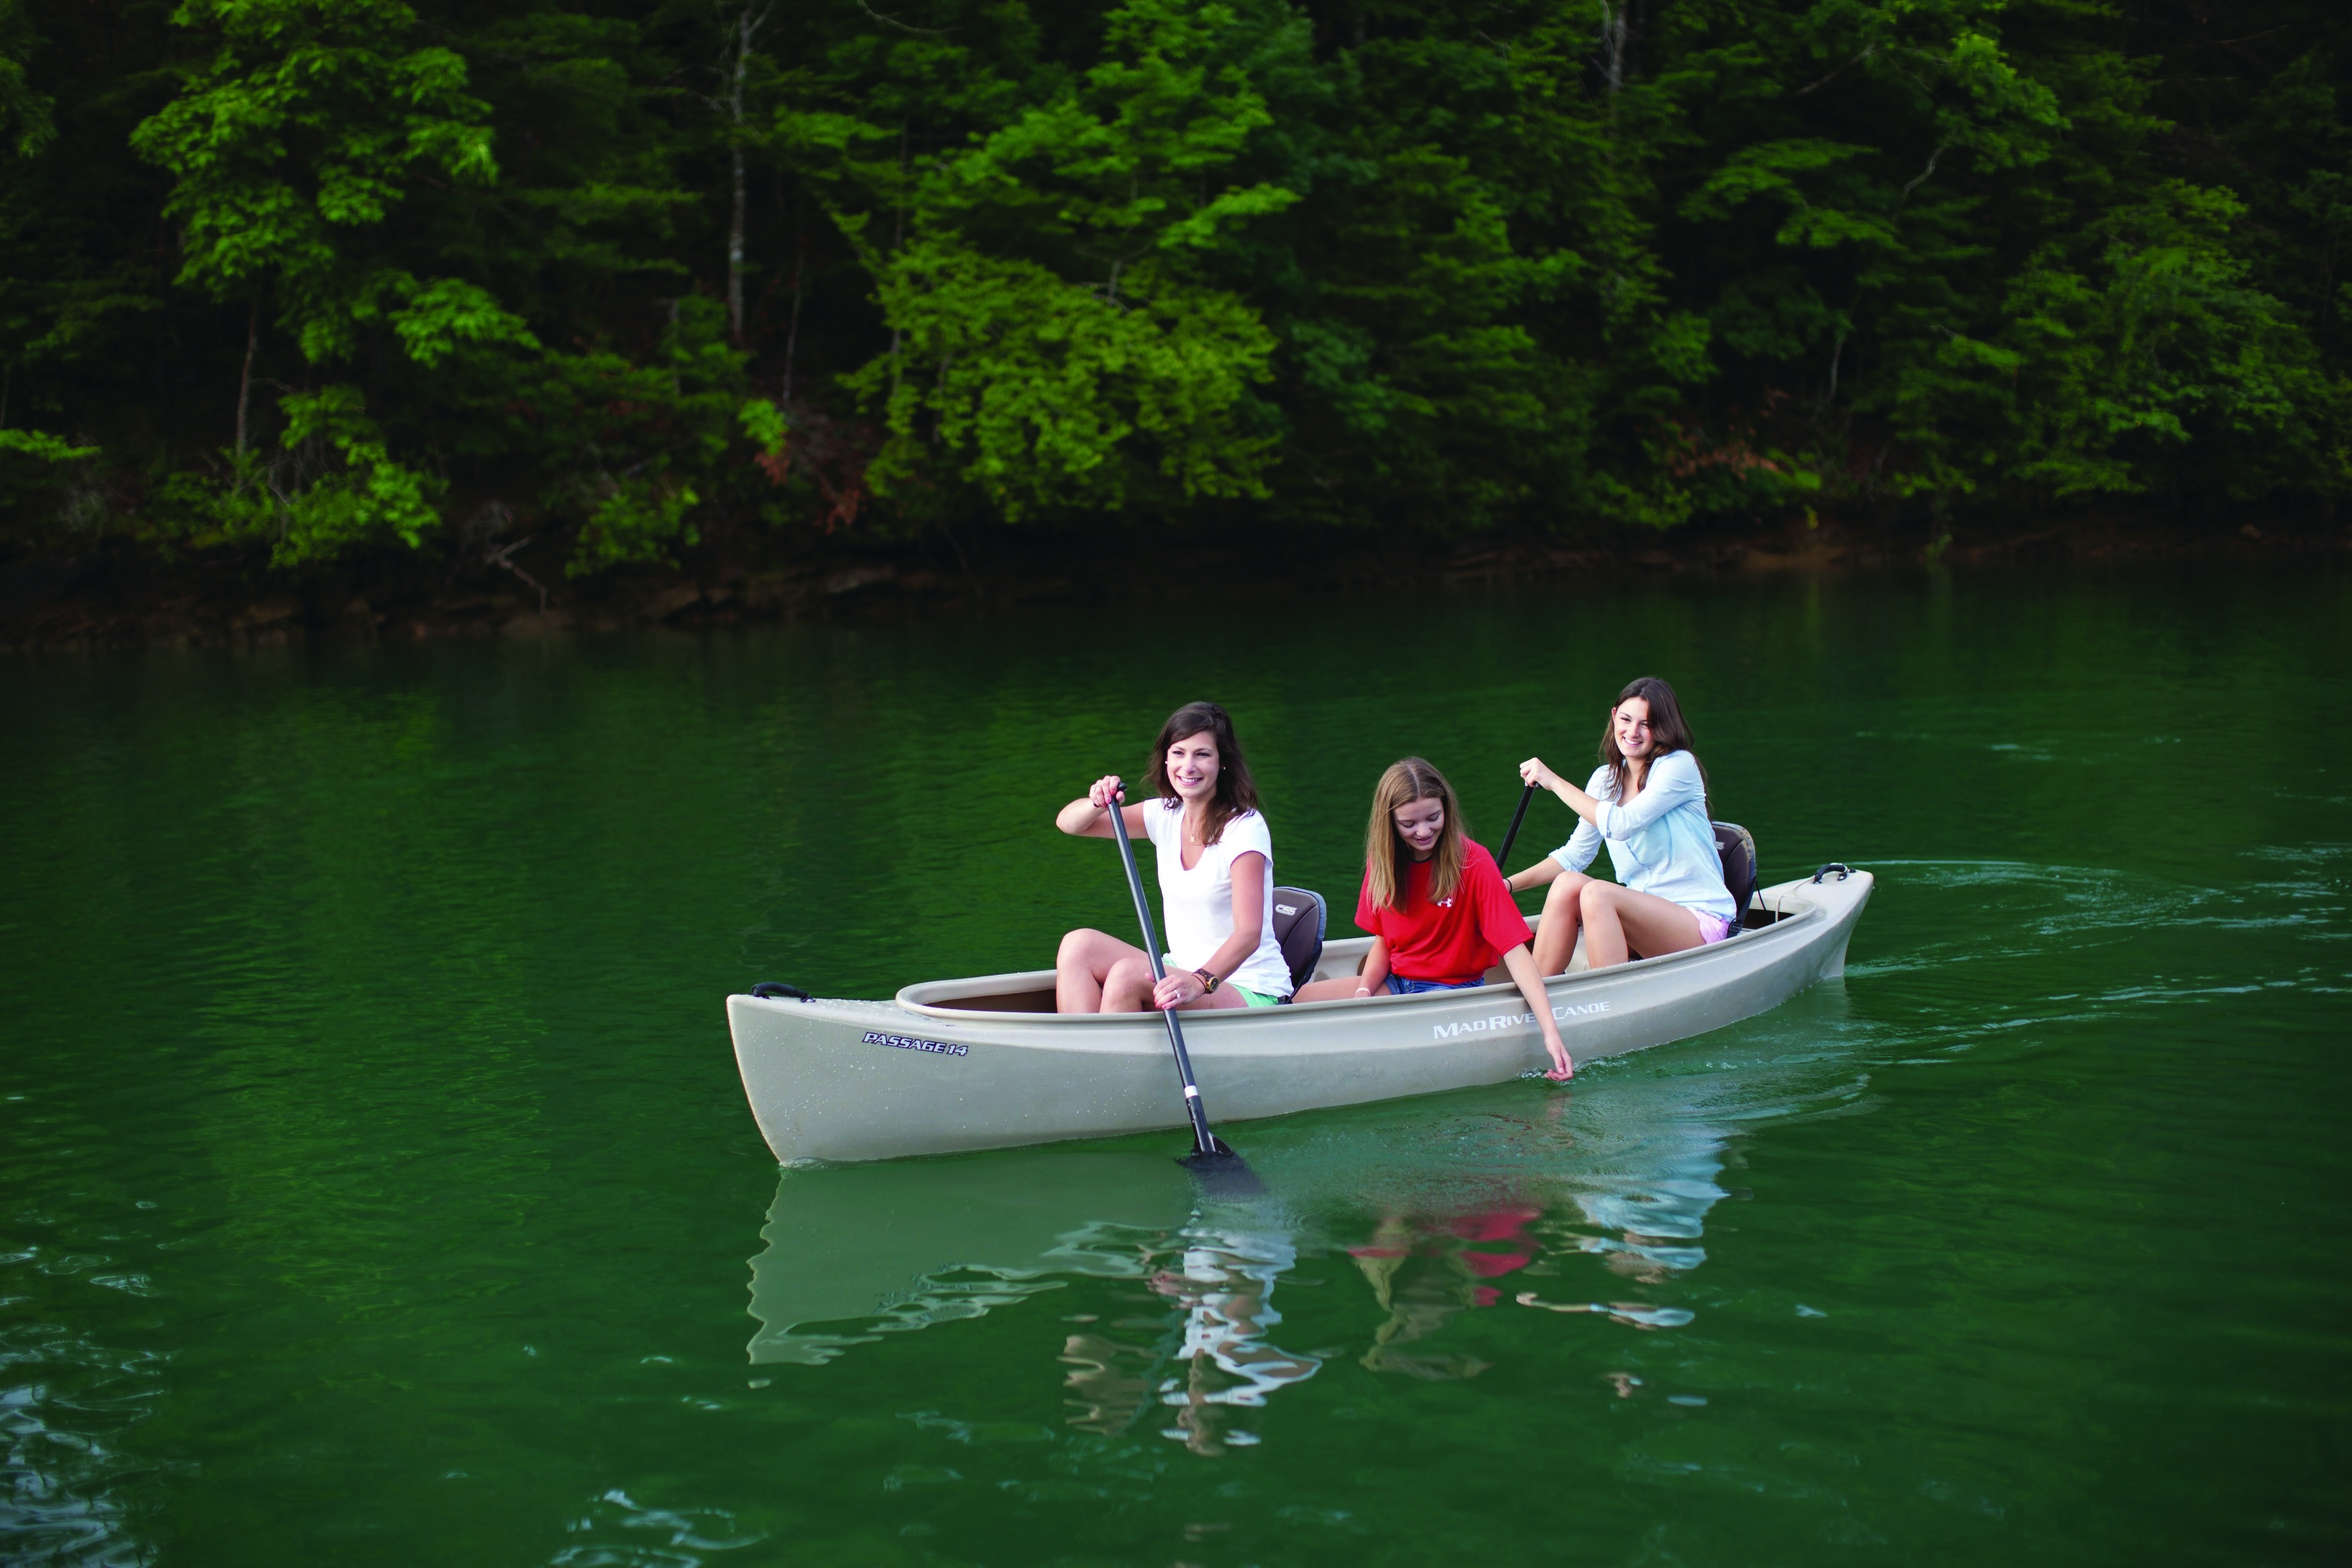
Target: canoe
<point>986,1063</point>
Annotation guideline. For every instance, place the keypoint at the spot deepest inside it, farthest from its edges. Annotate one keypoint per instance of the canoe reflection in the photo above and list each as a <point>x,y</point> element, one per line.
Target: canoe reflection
<point>856,1252</point>
<point>896,1246</point>
<point>1547,1206</point>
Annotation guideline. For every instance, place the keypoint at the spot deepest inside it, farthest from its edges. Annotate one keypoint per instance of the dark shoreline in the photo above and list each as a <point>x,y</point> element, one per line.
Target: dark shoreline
<point>120,593</point>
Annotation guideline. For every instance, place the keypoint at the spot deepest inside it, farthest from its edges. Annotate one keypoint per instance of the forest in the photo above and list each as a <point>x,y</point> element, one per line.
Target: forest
<point>314,278</point>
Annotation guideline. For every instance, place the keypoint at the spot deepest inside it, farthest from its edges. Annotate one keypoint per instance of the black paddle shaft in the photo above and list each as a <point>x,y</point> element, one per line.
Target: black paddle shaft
<point>1204,1141</point>
<point>1517,816</point>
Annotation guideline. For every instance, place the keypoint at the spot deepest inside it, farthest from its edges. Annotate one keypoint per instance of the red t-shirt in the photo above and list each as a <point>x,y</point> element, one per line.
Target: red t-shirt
<point>1456,940</point>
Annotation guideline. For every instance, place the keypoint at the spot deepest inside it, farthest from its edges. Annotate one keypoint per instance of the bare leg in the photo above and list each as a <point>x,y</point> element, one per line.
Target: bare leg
<point>1342,989</point>
<point>1084,962</point>
<point>1128,987</point>
<point>1562,913</point>
<point>1223,996</point>
<point>1618,920</point>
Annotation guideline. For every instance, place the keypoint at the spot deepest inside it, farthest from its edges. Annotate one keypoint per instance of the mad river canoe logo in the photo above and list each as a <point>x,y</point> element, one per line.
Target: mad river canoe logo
<point>907,1043</point>
<point>1497,1022</point>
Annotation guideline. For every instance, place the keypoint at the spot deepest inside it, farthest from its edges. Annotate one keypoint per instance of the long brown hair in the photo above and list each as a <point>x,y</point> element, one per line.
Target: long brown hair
<point>1668,731</point>
<point>1385,854</point>
<point>1235,791</point>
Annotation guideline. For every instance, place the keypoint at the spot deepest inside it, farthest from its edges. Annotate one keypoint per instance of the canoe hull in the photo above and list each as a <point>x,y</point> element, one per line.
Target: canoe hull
<point>876,1080</point>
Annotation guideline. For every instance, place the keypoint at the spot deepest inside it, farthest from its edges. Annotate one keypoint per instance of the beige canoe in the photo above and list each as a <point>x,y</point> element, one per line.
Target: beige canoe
<point>985,1063</point>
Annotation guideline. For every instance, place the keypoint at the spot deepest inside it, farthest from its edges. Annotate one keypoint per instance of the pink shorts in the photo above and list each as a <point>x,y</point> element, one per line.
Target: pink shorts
<point>1711,929</point>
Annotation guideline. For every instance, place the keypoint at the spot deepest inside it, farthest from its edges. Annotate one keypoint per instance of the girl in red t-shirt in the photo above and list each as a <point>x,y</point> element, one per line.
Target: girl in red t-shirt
<point>1438,910</point>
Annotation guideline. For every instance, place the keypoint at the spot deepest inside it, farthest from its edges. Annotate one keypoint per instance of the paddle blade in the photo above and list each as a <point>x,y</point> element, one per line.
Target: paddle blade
<point>1222,1172</point>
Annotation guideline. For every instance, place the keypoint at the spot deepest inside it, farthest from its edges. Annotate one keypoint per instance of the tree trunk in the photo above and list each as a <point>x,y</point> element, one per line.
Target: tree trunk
<point>897,240</point>
<point>1612,41</point>
<point>792,337</point>
<point>744,28</point>
<point>244,380</point>
<point>735,256</point>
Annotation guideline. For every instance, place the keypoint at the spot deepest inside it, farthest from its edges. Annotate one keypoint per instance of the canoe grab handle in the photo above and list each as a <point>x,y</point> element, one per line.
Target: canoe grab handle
<point>1839,866</point>
<point>769,990</point>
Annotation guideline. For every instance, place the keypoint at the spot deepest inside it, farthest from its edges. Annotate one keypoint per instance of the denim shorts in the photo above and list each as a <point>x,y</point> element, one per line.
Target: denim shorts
<point>1398,985</point>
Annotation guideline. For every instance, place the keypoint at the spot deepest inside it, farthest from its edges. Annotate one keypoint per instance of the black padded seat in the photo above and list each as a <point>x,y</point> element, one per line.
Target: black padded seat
<point>1737,847</point>
<point>1298,924</point>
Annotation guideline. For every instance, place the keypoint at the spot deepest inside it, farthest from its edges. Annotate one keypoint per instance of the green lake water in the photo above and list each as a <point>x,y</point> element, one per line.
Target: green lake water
<point>377,1187</point>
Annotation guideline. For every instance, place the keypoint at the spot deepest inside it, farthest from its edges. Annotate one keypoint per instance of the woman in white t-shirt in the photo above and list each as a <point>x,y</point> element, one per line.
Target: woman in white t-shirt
<point>1216,881</point>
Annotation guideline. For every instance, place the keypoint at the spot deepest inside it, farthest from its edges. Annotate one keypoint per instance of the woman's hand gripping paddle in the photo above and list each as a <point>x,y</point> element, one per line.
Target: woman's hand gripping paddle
<point>1211,1159</point>
<point>1517,816</point>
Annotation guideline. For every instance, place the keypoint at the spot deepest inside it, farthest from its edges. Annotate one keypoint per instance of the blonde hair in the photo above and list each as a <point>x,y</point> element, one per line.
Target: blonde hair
<point>1385,854</point>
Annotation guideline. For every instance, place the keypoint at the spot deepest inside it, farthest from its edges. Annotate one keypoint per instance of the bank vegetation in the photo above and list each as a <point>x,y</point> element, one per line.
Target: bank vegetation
<point>609,282</point>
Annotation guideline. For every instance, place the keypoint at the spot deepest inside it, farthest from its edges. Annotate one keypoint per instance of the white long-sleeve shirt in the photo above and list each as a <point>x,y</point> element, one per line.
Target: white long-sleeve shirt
<point>1662,843</point>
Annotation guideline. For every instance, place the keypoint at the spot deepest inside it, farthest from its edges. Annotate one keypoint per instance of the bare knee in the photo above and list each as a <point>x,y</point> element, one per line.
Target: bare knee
<point>1074,946</point>
<point>1129,976</point>
<point>1594,896</point>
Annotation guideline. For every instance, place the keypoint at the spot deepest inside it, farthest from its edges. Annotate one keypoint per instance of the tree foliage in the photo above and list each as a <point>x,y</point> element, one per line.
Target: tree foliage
<point>335,274</point>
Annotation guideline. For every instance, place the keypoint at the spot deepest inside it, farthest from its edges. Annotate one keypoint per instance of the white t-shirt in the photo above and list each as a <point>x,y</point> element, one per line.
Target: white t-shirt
<point>1200,902</point>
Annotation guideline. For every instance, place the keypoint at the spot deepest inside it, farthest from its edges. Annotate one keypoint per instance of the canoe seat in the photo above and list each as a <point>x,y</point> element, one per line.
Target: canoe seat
<point>1298,923</point>
<point>1737,847</point>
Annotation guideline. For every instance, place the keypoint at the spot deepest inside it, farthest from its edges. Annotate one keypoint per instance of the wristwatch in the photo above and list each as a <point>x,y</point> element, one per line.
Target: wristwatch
<point>1209,983</point>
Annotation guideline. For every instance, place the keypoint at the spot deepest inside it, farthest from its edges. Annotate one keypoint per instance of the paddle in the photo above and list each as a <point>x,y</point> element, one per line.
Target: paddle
<point>1210,1157</point>
<point>1517,816</point>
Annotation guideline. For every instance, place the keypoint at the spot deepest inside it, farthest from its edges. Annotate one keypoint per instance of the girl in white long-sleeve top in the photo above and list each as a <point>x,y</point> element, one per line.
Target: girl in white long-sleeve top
<point>1648,800</point>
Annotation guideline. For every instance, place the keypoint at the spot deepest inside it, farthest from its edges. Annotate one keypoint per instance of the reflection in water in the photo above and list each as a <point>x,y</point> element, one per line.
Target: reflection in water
<point>856,1252</point>
<point>1223,1280</point>
<point>1485,1208</point>
<point>1226,1359</point>
<point>1423,1272</point>
<point>1226,1288</point>
<point>1589,1205</point>
<point>61,1416</point>
<point>901,1245</point>
<point>1212,1360</point>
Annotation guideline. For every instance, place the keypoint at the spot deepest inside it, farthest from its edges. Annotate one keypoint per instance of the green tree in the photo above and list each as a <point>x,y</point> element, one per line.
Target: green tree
<point>1053,329</point>
<point>738,272</point>
<point>290,150</point>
